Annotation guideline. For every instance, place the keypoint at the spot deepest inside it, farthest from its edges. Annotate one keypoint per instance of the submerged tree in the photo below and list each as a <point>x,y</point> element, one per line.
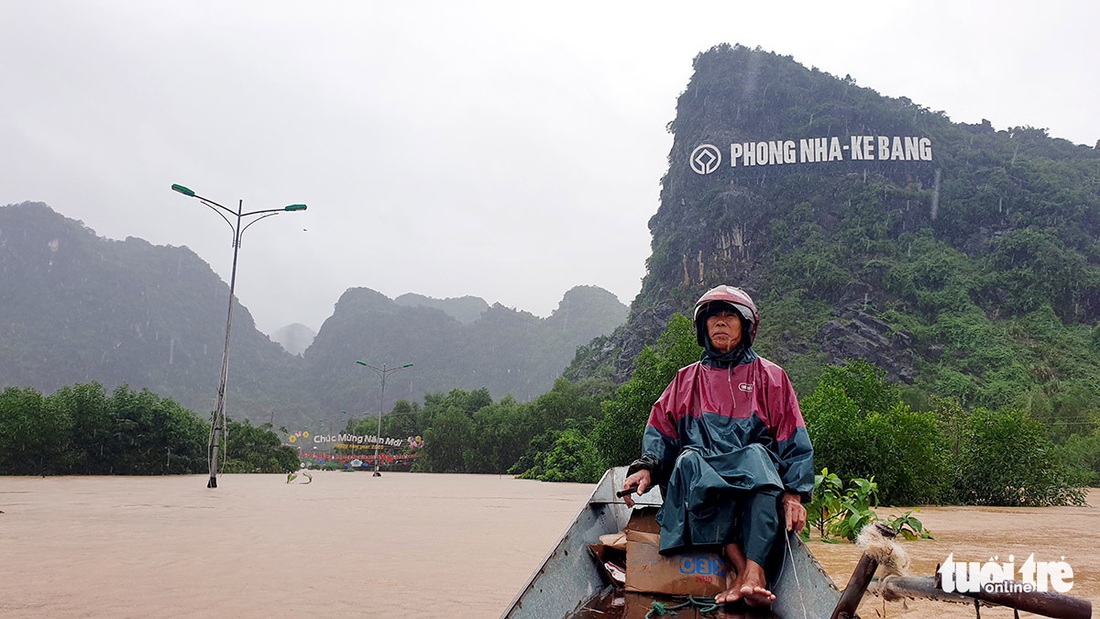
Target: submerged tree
<point>81,430</point>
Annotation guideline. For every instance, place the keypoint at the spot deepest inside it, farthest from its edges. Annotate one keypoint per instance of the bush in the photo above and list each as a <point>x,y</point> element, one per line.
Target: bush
<point>908,457</point>
<point>838,513</point>
<point>1007,459</point>
<point>81,430</point>
<point>571,457</point>
<point>860,428</point>
<point>1081,456</point>
<point>256,449</point>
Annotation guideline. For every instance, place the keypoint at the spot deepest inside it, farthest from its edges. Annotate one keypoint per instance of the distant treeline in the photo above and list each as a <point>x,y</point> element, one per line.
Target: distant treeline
<point>81,430</point>
<point>860,424</point>
<point>919,449</point>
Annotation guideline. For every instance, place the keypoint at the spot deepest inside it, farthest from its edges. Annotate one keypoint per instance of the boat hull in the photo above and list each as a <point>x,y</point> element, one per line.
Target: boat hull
<point>568,577</point>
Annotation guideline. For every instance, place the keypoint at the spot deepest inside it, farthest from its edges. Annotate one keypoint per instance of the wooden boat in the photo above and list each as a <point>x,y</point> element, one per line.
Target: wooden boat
<point>569,584</point>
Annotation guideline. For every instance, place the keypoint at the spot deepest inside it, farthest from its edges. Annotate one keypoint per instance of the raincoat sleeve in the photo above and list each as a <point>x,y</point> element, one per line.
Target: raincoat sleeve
<point>792,447</point>
<point>661,438</point>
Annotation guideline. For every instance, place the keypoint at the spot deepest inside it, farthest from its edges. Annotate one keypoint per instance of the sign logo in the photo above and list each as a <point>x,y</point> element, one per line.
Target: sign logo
<point>705,158</point>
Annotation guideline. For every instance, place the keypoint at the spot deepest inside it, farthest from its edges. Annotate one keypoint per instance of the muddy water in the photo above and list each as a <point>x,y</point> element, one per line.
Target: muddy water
<point>347,544</point>
<point>980,534</point>
<point>403,545</point>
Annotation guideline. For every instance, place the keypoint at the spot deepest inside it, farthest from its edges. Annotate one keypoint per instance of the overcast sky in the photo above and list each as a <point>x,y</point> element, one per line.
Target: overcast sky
<point>509,150</point>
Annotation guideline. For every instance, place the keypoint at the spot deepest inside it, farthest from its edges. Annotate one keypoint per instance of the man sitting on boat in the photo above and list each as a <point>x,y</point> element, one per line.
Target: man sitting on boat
<point>727,444</point>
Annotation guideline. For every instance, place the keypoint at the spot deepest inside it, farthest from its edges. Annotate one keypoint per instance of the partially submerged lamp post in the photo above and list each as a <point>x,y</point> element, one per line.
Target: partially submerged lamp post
<point>382,372</point>
<point>217,428</point>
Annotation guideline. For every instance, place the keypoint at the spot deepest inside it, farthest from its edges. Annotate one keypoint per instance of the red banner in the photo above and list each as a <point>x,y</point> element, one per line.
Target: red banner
<point>386,459</point>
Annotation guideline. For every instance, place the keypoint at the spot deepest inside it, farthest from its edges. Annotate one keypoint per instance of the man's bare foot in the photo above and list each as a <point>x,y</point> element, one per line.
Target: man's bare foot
<point>750,586</point>
<point>737,563</point>
<point>754,596</point>
<point>757,596</point>
<point>731,595</point>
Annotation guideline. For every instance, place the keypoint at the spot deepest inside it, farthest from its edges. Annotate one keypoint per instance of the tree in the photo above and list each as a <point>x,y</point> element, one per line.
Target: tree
<point>569,408</point>
<point>502,432</point>
<point>567,455</point>
<point>860,429</point>
<point>252,449</point>
<point>81,430</point>
<point>618,436</point>
<point>446,442</point>
<point>33,433</point>
<point>1007,459</point>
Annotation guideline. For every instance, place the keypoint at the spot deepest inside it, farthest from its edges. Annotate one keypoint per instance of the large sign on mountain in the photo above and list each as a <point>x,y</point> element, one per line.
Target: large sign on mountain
<point>875,228</point>
<point>706,158</point>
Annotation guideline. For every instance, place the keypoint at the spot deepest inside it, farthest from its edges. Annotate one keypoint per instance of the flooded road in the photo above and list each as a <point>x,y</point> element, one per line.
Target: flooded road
<point>347,544</point>
<point>402,545</point>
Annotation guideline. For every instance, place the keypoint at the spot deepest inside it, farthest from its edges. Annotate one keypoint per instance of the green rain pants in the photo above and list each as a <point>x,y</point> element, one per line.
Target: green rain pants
<point>714,500</point>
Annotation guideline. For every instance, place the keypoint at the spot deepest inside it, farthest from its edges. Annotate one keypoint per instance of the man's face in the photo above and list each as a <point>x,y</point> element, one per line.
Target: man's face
<point>724,329</point>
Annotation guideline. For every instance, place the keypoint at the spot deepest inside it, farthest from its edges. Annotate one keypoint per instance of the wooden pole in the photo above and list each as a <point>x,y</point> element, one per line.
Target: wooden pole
<point>857,584</point>
<point>1045,603</point>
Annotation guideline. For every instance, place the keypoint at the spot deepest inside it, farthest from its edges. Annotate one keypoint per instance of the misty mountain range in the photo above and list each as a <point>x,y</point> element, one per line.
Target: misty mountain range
<point>77,308</point>
<point>966,267</point>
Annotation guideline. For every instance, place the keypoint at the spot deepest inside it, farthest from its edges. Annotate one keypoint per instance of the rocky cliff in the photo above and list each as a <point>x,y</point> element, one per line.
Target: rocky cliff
<point>864,226</point>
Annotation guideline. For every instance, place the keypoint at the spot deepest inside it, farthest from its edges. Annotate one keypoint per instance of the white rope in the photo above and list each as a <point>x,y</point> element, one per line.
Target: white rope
<point>790,552</point>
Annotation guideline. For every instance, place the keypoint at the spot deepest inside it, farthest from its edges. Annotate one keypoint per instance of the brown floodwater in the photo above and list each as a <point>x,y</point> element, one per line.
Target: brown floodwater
<point>979,534</point>
<point>402,545</point>
<point>347,544</point>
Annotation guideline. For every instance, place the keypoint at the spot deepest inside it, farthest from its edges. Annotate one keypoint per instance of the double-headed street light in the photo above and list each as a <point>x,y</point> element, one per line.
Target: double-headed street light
<point>382,372</point>
<point>217,428</point>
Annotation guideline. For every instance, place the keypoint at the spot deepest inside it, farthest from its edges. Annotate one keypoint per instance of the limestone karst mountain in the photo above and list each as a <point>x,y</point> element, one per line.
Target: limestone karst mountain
<point>294,338</point>
<point>958,257</point>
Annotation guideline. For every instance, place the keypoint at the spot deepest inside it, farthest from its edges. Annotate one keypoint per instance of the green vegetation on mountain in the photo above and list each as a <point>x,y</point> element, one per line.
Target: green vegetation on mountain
<point>938,312</point>
<point>966,284</point>
<point>972,279</point>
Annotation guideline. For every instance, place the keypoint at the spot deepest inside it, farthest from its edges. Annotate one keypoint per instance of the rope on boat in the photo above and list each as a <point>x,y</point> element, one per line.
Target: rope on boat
<point>661,609</point>
<point>892,558</point>
<point>797,584</point>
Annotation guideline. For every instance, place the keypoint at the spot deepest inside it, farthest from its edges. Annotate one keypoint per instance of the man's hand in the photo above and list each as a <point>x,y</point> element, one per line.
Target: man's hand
<point>643,480</point>
<point>794,512</point>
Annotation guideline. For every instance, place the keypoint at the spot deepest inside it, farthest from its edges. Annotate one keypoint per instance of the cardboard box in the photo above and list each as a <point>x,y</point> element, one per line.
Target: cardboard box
<point>611,562</point>
<point>647,571</point>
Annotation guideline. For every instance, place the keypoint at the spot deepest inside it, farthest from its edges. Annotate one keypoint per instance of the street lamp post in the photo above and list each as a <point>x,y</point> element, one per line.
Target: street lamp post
<point>217,428</point>
<point>382,372</point>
